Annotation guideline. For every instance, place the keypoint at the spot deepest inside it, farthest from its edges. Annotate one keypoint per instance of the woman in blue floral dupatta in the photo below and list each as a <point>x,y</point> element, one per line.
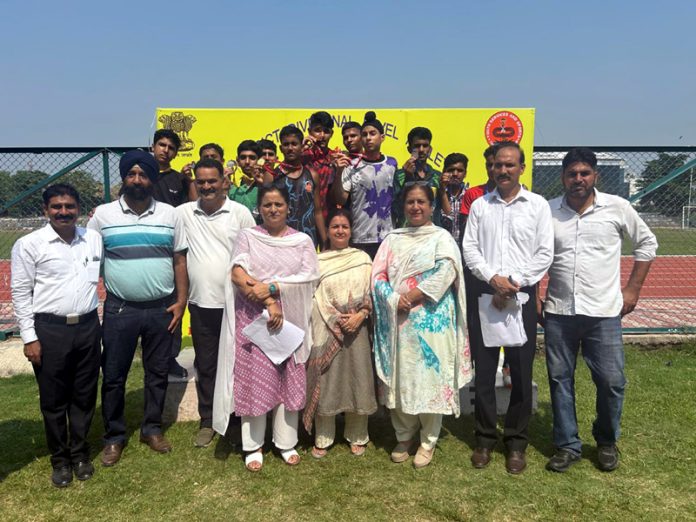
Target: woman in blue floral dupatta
<point>421,351</point>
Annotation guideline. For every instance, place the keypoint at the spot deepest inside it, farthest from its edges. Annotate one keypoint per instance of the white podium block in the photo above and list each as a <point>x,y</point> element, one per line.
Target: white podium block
<point>502,396</point>
<point>181,402</point>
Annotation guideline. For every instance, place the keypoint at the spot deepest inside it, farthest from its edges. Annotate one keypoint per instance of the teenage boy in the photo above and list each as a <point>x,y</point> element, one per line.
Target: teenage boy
<point>172,187</point>
<point>302,185</point>
<point>452,190</point>
<point>352,139</point>
<point>370,184</point>
<point>210,151</point>
<point>416,170</point>
<point>317,157</point>
<point>269,151</point>
<point>245,192</point>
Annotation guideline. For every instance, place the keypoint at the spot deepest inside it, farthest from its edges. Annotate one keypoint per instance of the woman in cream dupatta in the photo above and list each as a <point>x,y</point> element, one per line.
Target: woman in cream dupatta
<point>274,268</point>
<point>340,373</point>
<point>421,352</point>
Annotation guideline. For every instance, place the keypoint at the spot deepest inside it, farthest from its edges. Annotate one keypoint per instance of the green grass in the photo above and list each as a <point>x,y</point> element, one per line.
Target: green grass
<point>671,241</point>
<point>654,481</point>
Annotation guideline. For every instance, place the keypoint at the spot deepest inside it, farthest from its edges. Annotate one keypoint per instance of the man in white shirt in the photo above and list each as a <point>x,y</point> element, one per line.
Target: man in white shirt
<point>508,245</point>
<point>585,303</point>
<point>55,271</point>
<point>211,224</point>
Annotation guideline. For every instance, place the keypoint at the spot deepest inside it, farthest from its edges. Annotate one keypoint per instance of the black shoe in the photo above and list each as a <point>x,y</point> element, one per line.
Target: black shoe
<point>62,477</point>
<point>84,470</point>
<point>177,371</point>
<point>562,460</point>
<point>608,457</point>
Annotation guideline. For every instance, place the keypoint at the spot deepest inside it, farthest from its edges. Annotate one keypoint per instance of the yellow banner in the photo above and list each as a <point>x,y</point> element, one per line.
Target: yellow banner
<point>469,131</point>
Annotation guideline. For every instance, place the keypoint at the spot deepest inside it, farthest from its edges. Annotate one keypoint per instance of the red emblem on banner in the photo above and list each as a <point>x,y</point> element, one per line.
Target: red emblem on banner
<point>503,126</point>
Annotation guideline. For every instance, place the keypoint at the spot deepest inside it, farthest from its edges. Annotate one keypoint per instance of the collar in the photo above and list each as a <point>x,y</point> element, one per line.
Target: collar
<point>522,194</point>
<point>51,235</point>
<point>126,209</point>
<point>226,207</point>
<point>599,201</point>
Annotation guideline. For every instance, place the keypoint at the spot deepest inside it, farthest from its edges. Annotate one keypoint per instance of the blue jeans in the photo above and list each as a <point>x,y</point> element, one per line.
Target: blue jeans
<point>602,349</point>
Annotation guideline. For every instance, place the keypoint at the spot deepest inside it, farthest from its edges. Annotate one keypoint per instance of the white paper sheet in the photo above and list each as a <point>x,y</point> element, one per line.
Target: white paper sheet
<point>502,327</point>
<point>279,344</point>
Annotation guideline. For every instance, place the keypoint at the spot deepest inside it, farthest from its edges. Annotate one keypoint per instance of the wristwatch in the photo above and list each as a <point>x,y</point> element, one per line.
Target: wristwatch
<point>272,289</point>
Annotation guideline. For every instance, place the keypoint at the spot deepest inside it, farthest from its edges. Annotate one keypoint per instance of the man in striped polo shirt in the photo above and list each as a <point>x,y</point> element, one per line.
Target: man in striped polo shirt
<point>147,286</point>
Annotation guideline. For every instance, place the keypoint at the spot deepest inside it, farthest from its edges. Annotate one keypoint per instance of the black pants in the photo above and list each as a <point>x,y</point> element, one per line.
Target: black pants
<point>369,248</point>
<point>67,379</point>
<point>123,325</point>
<point>521,359</point>
<point>205,331</point>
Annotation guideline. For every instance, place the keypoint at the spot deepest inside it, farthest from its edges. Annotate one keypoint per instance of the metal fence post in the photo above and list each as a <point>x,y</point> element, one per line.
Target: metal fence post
<point>107,175</point>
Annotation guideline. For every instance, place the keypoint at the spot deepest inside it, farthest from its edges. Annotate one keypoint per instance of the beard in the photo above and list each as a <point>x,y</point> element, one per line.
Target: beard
<point>138,193</point>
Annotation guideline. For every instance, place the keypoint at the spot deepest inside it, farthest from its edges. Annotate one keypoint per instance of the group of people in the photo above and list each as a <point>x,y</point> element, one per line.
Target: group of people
<point>393,309</point>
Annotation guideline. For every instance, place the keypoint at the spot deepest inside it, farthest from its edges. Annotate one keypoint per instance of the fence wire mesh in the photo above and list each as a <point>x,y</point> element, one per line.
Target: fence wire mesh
<point>660,183</point>
<point>668,299</point>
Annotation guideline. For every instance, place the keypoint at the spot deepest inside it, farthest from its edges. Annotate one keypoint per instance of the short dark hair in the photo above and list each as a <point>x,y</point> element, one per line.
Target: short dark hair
<point>350,125</point>
<point>581,155</point>
<point>490,151</point>
<point>419,133</point>
<point>267,188</point>
<point>455,157</point>
<point>412,185</point>
<point>291,130</point>
<point>60,189</point>
<point>267,144</point>
<point>249,145</point>
<point>210,163</point>
<point>215,146</point>
<point>322,118</point>
<point>510,145</point>
<point>168,134</point>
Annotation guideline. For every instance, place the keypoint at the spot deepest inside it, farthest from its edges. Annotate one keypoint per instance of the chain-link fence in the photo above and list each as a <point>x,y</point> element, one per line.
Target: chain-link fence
<point>659,181</point>
<point>24,172</point>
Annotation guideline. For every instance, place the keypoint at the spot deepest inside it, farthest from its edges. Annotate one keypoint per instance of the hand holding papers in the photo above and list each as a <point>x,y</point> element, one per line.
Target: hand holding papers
<point>278,345</point>
<point>502,327</point>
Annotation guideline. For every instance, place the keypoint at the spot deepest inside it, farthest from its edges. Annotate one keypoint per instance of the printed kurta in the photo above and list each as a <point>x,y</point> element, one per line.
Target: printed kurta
<point>248,383</point>
<point>422,358</point>
<point>340,373</point>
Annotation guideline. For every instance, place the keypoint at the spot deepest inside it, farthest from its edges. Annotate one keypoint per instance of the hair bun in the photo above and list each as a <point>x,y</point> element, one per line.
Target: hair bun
<point>370,116</point>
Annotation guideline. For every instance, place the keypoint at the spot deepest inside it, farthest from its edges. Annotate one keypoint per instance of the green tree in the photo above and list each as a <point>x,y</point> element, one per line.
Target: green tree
<point>91,191</point>
<point>32,205</point>
<point>669,199</point>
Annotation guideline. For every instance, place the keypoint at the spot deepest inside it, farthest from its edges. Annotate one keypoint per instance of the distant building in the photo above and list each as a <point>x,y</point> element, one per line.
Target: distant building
<point>614,175</point>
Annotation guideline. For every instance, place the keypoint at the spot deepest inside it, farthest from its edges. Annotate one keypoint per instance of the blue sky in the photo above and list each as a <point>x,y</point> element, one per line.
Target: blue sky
<point>598,73</point>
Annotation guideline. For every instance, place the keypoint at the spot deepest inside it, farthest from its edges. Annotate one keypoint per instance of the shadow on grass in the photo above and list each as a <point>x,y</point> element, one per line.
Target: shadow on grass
<point>21,442</point>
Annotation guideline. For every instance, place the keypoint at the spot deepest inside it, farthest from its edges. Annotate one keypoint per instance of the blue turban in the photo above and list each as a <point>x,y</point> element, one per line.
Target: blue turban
<point>143,159</point>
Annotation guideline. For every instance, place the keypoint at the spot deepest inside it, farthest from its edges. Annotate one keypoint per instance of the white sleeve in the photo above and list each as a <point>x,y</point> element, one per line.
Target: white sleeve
<point>532,272</point>
<point>180,242</point>
<point>473,255</point>
<point>644,241</point>
<point>23,279</point>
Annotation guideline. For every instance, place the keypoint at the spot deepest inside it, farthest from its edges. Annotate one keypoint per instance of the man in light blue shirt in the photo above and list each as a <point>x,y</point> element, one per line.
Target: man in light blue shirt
<point>147,287</point>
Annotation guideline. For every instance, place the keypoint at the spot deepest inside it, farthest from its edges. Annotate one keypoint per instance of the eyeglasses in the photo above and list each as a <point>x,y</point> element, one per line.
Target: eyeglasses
<point>417,183</point>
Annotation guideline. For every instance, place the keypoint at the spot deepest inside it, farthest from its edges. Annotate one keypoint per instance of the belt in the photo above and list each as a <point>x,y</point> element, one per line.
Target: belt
<point>156,303</point>
<point>66,319</point>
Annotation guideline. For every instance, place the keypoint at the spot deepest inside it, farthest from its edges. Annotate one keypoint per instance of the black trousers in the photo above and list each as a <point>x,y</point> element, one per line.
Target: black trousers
<point>521,360</point>
<point>67,379</point>
<point>123,325</point>
<point>205,331</point>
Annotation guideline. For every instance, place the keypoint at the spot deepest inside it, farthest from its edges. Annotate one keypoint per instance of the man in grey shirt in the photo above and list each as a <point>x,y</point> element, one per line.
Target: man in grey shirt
<point>585,303</point>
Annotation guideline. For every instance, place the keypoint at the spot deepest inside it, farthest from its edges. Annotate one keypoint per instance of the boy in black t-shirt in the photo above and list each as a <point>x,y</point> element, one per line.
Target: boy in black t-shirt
<point>172,187</point>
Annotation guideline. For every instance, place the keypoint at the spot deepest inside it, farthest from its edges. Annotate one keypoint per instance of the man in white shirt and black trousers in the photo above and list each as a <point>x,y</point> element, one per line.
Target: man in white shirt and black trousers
<point>508,245</point>
<point>55,271</point>
<point>585,303</point>
<point>212,224</point>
